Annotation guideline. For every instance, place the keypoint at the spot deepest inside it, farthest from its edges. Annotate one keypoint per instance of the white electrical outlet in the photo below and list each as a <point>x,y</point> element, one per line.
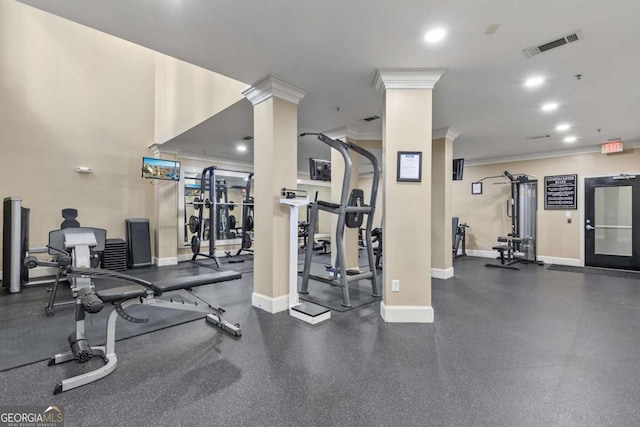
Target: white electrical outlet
<point>395,285</point>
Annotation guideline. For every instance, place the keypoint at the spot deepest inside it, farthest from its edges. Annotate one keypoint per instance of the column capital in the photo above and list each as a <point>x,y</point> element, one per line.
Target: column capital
<point>449,133</point>
<point>406,78</point>
<point>273,86</point>
<point>156,149</point>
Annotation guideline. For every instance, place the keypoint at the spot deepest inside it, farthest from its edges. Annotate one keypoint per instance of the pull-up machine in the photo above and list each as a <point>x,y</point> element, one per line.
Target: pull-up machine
<point>350,211</point>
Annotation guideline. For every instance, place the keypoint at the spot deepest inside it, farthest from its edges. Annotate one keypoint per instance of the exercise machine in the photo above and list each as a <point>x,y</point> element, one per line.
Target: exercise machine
<point>519,245</point>
<point>459,237</point>
<point>89,299</point>
<point>212,198</point>
<point>350,211</point>
<point>376,233</point>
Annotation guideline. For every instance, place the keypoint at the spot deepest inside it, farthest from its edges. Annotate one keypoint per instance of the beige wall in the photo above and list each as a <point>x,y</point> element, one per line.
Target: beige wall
<point>556,238</point>
<point>186,95</point>
<point>72,96</point>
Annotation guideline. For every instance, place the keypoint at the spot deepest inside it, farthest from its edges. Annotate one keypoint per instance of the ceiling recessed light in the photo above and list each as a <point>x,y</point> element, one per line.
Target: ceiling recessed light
<point>570,139</point>
<point>562,127</point>
<point>534,81</point>
<point>550,106</point>
<point>434,36</point>
<point>242,148</point>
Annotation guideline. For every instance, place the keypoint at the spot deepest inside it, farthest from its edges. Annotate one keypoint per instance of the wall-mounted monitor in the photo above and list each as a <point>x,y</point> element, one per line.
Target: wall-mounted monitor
<point>458,168</point>
<point>319,170</point>
<point>160,169</point>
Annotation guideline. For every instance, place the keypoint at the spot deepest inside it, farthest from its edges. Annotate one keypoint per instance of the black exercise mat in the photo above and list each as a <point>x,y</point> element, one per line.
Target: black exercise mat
<point>595,270</point>
<point>28,335</point>
<point>331,296</point>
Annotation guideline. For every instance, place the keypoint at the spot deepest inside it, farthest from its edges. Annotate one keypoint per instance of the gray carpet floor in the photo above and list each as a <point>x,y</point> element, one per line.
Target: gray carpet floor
<point>508,348</point>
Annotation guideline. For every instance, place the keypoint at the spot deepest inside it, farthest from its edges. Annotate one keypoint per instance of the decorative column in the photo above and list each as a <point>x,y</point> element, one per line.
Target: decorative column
<point>275,123</point>
<point>441,200</point>
<point>164,231</point>
<point>406,128</point>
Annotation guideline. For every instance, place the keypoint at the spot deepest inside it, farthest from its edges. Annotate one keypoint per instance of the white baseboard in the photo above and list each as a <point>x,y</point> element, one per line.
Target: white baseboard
<point>219,254</point>
<point>442,273</point>
<point>406,313</point>
<point>171,260</point>
<point>574,262</point>
<point>269,304</point>
<point>42,272</point>
<point>482,253</point>
<point>184,257</point>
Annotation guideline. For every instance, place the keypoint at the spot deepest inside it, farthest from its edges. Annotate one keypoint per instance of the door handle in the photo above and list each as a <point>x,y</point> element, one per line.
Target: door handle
<point>589,227</point>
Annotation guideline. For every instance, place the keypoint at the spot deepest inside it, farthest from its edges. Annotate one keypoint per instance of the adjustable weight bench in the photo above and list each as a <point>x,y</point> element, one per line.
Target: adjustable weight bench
<point>140,292</point>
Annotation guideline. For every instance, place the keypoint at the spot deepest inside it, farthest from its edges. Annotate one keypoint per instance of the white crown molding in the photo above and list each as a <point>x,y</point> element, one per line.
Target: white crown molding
<point>343,132</point>
<point>370,136</point>
<point>542,155</point>
<point>406,78</point>
<point>156,149</point>
<point>449,133</point>
<point>272,86</point>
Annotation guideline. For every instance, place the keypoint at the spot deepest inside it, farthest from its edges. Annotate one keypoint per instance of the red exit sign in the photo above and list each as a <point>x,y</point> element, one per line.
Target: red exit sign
<point>612,147</point>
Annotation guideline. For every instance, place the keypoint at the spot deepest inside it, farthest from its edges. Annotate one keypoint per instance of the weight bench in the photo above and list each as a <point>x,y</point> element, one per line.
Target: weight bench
<point>508,260</point>
<point>140,292</point>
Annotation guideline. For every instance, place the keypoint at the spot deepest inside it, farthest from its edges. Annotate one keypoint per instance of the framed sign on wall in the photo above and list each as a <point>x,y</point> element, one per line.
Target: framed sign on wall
<point>409,166</point>
<point>560,192</point>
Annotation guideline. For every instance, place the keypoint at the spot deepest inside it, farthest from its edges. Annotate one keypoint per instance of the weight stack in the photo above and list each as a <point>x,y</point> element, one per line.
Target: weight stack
<point>138,242</point>
<point>114,256</point>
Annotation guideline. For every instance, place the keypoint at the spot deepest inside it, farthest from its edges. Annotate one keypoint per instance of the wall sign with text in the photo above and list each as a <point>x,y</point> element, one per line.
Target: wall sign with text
<point>409,166</point>
<point>560,192</point>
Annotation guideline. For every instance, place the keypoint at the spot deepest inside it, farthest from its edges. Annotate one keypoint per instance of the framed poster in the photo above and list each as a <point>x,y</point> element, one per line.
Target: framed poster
<point>560,192</point>
<point>476,187</point>
<point>409,166</point>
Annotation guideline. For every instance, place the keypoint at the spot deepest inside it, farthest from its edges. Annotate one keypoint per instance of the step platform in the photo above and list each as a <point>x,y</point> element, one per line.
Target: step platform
<point>310,313</point>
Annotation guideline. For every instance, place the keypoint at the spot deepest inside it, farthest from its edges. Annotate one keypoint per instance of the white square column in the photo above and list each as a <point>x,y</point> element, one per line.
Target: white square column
<point>441,202</point>
<point>407,126</point>
<point>275,121</point>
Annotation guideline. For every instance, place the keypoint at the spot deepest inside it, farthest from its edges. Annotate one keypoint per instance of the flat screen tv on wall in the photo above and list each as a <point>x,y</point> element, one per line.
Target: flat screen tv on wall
<point>168,170</point>
<point>458,168</point>
<point>319,170</point>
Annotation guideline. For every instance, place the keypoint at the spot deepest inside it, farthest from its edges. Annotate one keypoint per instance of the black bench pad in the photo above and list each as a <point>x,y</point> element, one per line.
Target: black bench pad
<point>501,248</point>
<point>199,280</point>
<point>329,205</point>
<point>122,293</point>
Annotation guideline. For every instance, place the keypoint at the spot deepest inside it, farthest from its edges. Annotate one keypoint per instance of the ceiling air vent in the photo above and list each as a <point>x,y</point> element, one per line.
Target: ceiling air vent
<point>370,119</point>
<point>539,137</point>
<point>247,138</point>
<point>537,50</point>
